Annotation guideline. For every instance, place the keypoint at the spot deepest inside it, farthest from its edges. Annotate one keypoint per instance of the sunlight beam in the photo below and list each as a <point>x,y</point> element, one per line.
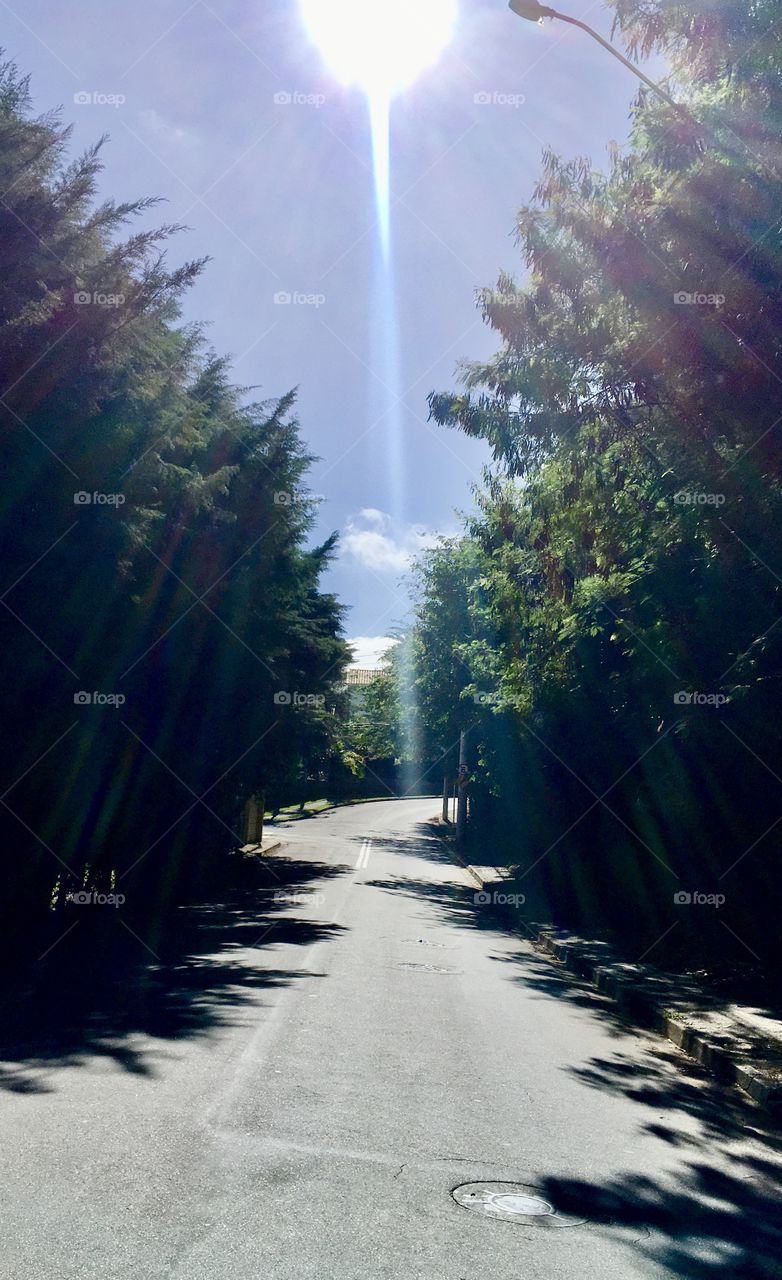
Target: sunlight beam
<point>381,47</point>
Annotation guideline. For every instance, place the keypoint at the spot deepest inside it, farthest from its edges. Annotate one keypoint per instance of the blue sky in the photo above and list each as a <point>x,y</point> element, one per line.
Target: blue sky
<point>229,114</point>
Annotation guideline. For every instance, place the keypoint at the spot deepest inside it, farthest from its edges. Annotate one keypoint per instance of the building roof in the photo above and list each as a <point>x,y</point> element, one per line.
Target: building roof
<point>361,675</point>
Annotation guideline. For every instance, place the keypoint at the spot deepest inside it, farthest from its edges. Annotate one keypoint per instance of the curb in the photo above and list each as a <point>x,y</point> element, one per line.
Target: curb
<point>258,851</point>
<point>348,804</point>
<point>711,1051</point>
<point>620,982</point>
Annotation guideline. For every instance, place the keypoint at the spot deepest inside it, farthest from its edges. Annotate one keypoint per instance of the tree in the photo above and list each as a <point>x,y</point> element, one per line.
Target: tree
<point>628,543</point>
<point>156,523</point>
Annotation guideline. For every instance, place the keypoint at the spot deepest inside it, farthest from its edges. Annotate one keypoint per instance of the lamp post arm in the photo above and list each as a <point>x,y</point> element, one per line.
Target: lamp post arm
<point>576,22</point>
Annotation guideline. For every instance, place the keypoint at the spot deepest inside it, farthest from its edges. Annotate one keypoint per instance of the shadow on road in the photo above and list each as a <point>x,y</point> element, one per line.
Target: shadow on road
<point>714,1224</point>
<point>721,1214</point>
<point>97,995</point>
<point>718,1211</point>
<point>421,841</point>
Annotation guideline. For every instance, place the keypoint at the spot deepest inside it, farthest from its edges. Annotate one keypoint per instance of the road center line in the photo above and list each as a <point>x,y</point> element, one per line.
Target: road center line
<point>363,857</point>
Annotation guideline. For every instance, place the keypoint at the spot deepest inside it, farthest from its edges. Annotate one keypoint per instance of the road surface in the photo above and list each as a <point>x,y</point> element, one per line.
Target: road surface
<point>295,1087</point>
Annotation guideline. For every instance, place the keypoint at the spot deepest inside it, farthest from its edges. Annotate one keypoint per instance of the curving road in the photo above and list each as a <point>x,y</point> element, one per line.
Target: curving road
<point>296,1082</point>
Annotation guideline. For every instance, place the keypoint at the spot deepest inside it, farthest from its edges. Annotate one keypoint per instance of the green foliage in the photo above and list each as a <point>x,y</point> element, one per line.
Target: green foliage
<point>627,548</point>
<point>192,593</point>
<point>372,722</point>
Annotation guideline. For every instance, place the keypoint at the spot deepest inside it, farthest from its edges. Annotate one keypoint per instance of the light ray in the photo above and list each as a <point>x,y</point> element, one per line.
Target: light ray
<point>384,45</point>
<point>382,48</point>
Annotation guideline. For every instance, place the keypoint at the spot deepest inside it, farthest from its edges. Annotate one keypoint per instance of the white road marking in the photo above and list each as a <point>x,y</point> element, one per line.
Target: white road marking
<point>363,857</point>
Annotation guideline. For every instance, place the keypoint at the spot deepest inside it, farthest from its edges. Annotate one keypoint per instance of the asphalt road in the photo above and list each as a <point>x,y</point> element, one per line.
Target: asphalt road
<point>295,1087</point>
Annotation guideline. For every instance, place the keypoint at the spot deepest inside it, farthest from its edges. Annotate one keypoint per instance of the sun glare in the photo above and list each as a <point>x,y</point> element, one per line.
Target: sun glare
<point>380,45</point>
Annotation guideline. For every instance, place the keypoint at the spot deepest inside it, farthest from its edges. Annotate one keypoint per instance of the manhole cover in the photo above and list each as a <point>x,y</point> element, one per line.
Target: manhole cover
<point>524,1205</point>
<point>420,967</point>
<point>512,1202</point>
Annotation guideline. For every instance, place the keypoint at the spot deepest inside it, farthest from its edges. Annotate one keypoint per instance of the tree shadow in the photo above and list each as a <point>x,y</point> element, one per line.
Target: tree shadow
<point>644,983</point>
<point>455,905</point>
<point>548,979</point>
<point>714,1211</point>
<point>421,841</point>
<point>672,1085</point>
<point>460,904</point>
<point>718,1209</point>
<point>703,1224</point>
<point>100,991</point>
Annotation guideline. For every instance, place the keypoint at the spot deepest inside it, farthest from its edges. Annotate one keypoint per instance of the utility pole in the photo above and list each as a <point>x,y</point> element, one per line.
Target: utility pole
<point>461,807</point>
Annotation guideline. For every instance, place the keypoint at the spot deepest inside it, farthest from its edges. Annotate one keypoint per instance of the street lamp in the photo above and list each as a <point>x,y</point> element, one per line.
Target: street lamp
<point>535,12</point>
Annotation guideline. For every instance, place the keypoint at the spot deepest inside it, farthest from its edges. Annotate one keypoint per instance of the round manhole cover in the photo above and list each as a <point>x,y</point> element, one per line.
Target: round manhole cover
<point>524,1205</point>
<point>512,1202</point>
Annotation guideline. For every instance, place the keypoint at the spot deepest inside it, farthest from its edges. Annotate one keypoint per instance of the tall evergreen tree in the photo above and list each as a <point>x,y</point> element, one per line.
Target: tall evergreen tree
<point>155,529</point>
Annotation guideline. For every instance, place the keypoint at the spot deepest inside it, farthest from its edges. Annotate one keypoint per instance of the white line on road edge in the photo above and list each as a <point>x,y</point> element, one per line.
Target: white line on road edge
<point>363,857</point>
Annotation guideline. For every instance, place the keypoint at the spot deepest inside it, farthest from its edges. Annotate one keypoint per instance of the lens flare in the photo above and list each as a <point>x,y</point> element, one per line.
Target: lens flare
<point>382,47</point>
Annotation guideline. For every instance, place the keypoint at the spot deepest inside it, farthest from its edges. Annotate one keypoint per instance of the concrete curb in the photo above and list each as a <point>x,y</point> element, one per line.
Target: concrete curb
<point>472,872</point>
<point>259,850</point>
<point>716,1053</point>
<point>759,1077</point>
<point>346,804</point>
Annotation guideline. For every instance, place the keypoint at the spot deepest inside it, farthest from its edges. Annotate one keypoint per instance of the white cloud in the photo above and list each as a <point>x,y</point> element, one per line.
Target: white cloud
<point>371,516</point>
<point>378,542</point>
<point>368,650</point>
<point>375,550</point>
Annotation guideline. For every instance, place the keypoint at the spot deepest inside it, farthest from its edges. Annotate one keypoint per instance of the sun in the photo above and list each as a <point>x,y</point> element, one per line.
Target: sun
<point>380,45</point>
